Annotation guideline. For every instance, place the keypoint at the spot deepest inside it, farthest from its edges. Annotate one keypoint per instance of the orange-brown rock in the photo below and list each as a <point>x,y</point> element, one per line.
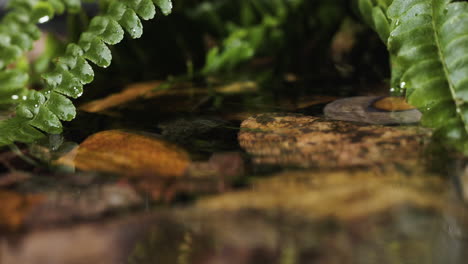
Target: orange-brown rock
<point>15,208</point>
<point>307,141</point>
<point>128,154</point>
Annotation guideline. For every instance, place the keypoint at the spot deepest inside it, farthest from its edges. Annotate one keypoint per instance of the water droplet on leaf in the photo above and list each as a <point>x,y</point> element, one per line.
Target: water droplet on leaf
<point>43,19</point>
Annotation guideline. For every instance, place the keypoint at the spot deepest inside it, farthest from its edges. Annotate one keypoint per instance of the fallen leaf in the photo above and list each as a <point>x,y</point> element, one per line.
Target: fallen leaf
<point>149,90</point>
<point>129,154</point>
<point>129,94</point>
<point>391,103</point>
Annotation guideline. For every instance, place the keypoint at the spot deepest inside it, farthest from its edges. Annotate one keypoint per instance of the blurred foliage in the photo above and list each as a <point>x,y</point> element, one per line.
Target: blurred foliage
<point>247,39</point>
<point>428,48</point>
<point>286,46</point>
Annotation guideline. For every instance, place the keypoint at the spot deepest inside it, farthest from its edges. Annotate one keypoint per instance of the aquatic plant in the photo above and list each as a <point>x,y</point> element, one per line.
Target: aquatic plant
<point>428,45</point>
<point>39,111</point>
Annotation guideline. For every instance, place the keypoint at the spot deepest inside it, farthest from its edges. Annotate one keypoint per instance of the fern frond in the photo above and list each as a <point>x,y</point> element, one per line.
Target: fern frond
<point>429,39</point>
<point>428,45</point>
<point>374,14</point>
<point>18,31</point>
<point>43,111</point>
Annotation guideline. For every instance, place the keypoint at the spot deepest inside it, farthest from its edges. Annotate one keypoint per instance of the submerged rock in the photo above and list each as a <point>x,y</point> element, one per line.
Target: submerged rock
<point>15,208</point>
<point>373,110</point>
<point>64,206</point>
<point>307,141</point>
<point>344,195</point>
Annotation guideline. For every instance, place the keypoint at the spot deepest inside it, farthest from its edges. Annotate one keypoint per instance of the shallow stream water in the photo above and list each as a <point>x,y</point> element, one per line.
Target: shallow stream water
<point>181,180</point>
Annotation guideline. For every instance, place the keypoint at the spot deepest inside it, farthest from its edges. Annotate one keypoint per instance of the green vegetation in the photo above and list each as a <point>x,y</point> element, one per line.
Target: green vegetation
<point>427,41</point>
<point>45,109</point>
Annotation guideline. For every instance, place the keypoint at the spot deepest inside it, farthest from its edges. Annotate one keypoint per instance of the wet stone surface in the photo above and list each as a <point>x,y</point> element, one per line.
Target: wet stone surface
<point>373,110</point>
<point>306,141</point>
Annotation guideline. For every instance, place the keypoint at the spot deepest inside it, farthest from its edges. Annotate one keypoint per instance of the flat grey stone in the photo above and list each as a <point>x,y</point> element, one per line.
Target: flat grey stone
<point>359,109</point>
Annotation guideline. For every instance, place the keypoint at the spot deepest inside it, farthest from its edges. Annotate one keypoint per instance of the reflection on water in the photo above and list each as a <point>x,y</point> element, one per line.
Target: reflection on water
<point>402,234</point>
<point>227,229</point>
<point>351,212</point>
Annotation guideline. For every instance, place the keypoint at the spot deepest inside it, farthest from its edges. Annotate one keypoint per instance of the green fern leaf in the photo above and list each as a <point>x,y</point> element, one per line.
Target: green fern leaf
<point>132,24</point>
<point>146,10</point>
<point>12,83</point>
<point>164,5</point>
<point>429,41</point>
<point>99,53</point>
<point>43,111</point>
<point>22,131</point>
<point>46,121</point>
<point>61,106</point>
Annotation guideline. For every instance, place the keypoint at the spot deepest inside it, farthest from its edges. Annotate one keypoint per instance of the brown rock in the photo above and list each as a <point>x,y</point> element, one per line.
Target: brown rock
<point>129,154</point>
<point>13,177</point>
<point>306,141</point>
<point>225,164</point>
<point>15,208</point>
<point>63,206</point>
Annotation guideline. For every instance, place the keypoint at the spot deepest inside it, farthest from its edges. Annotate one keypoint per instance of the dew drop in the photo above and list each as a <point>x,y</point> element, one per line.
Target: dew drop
<point>36,105</point>
<point>24,98</point>
<point>402,85</point>
<point>392,89</point>
<point>43,19</point>
<point>15,97</point>
<point>397,22</point>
